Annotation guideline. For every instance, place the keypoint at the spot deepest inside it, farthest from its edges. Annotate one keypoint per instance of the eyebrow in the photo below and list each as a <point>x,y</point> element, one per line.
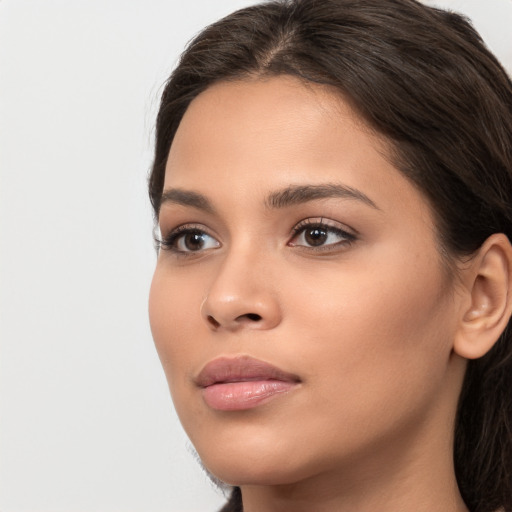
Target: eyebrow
<point>296,194</point>
<point>289,196</point>
<point>187,198</point>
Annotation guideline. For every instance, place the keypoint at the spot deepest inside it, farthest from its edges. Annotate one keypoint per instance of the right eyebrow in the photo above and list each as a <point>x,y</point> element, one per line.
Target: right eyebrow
<point>187,198</point>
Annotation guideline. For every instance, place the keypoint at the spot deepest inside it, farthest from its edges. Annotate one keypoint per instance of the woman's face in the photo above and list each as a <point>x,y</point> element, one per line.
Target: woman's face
<point>299,305</point>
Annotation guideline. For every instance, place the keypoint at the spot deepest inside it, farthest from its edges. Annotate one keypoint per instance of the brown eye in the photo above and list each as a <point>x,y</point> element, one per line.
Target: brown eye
<point>194,241</point>
<point>320,235</point>
<point>315,236</point>
<point>188,240</point>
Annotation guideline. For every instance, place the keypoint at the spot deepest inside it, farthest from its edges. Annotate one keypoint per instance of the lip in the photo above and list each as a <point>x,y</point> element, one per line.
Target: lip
<point>240,383</point>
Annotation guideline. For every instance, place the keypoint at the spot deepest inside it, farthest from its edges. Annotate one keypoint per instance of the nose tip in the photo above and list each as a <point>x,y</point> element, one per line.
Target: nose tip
<point>242,293</point>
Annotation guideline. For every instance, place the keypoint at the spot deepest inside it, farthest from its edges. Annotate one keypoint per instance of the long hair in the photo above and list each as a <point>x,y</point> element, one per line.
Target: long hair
<point>424,79</point>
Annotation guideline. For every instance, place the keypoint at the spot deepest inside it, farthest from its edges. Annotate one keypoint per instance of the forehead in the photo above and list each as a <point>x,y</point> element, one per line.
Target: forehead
<point>274,111</point>
<point>247,138</point>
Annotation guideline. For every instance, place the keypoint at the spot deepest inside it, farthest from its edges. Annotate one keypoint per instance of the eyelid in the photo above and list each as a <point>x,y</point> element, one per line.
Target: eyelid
<point>322,221</point>
<point>167,241</point>
<point>348,235</point>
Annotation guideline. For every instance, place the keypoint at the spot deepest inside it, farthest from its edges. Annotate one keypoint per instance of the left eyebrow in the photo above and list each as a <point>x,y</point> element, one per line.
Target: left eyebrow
<point>297,194</point>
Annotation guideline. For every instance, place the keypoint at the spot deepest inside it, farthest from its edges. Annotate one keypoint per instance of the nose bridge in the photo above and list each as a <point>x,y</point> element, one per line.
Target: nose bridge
<point>242,292</point>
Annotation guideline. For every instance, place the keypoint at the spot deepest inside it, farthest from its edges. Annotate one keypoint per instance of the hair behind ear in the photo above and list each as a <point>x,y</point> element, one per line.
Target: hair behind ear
<point>483,435</point>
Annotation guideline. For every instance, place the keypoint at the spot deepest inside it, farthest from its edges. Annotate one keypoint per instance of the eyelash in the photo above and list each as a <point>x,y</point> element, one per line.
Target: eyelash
<point>169,242</point>
<point>303,226</point>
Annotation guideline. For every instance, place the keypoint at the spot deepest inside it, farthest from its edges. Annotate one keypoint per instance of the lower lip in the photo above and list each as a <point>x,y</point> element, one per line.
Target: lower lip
<point>239,396</point>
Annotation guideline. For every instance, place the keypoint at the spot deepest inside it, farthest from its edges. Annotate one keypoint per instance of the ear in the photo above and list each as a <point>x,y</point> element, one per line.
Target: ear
<point>488,285</point>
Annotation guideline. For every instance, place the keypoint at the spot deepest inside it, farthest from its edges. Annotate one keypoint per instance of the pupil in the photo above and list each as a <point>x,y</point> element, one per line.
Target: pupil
<point>194,241</point>
<point>316,236</point>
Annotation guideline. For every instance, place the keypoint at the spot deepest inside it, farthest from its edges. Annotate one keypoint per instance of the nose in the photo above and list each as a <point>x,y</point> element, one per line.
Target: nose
<point>241,296</point>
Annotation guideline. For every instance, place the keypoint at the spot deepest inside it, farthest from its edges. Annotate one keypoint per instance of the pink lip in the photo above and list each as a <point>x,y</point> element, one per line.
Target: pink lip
<point>235,384</point>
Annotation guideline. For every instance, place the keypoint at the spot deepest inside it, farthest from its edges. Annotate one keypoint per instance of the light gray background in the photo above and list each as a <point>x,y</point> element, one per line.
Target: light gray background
<point>86,423</point>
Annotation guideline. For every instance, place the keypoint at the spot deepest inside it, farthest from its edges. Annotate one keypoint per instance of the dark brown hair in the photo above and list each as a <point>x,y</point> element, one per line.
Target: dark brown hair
<point>423,78</point>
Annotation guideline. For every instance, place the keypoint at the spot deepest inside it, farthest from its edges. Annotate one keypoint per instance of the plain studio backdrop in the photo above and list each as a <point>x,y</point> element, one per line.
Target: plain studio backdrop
<point>86,421</point>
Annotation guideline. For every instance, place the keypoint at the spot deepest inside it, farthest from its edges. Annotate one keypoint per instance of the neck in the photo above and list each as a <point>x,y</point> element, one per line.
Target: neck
<point>386,490</point>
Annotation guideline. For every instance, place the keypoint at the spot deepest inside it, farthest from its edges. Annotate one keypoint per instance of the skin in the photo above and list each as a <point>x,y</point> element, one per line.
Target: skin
<point>367,324</point>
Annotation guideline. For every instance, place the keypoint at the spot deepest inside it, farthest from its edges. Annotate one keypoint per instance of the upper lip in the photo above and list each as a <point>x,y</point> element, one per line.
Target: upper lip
<point>240,369</point>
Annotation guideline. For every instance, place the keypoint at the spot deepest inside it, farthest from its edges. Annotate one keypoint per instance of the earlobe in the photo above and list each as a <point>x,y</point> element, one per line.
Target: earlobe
<point>489,284</point>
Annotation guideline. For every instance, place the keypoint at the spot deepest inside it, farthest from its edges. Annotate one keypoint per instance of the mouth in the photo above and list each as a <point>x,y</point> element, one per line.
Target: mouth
<point>240,383</point>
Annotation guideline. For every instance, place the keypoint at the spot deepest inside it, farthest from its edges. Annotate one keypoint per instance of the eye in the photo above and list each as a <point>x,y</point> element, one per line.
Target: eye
<point>318,234</point>
<point>188,240</point>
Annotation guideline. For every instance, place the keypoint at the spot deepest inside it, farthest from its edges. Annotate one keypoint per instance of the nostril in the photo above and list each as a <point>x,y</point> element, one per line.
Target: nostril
<point>212,321</point>
<point>253,316</point>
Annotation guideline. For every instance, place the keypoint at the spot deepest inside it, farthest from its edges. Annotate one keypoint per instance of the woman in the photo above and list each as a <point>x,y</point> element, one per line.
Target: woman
<point>333,186</point>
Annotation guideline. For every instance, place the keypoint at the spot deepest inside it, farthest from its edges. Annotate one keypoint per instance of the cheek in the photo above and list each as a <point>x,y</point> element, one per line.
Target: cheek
<point>377,334</point>
<point>178,333</point>
<point>174,316</point>
<point>374,350</point>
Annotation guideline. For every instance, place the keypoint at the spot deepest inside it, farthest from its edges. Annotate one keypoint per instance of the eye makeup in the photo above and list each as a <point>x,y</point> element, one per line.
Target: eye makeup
<point>321,235</point>
<point>187,238</point>
<point>314,234</point>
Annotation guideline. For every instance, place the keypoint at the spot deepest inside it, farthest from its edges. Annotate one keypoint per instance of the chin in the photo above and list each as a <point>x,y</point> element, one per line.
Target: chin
<point>256,463</point>
<point>243,472</point>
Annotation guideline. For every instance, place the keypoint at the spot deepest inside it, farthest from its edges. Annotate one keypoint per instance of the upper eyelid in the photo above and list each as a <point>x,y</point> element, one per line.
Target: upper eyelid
<point>298,226</point>
<point>188,226</point>
<point>323,221</point>
<point>171,235</point>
